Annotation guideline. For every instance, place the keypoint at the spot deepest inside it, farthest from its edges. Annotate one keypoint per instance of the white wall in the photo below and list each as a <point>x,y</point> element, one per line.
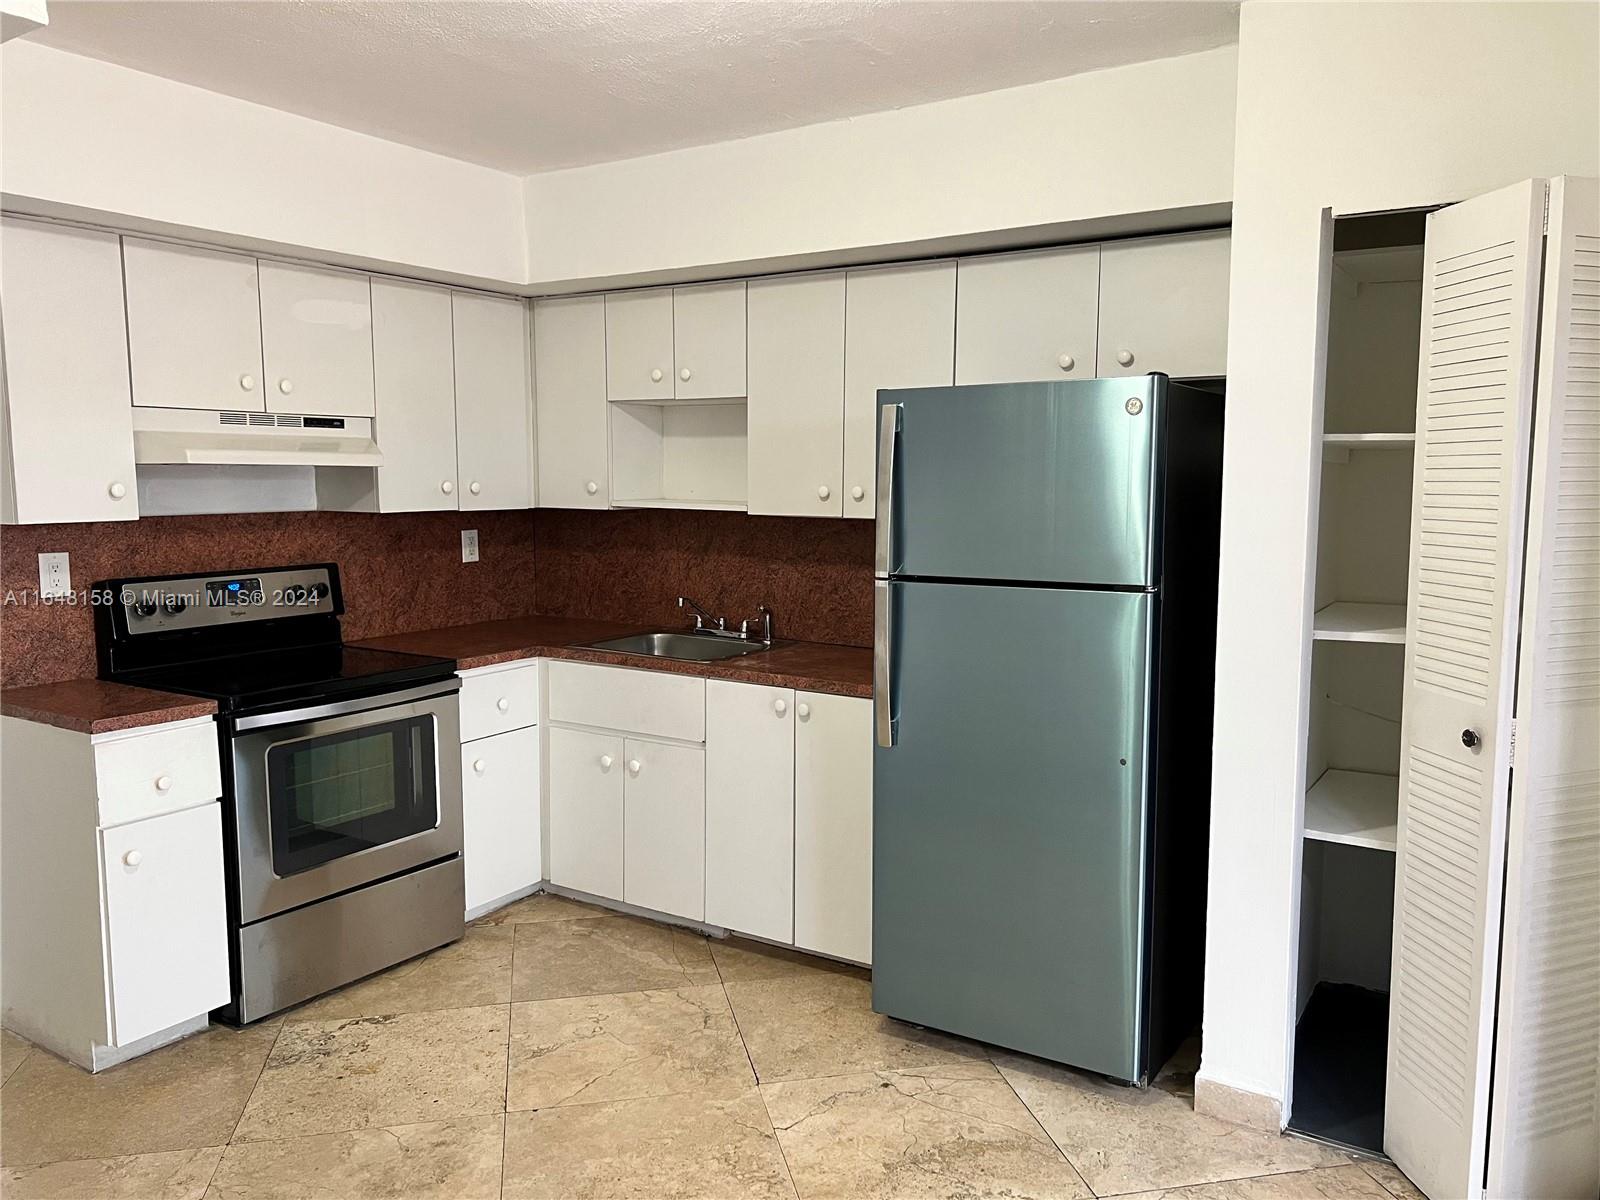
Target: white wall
<point>96,141</point>
<point>1152,138</point>
<point>1354,107</point>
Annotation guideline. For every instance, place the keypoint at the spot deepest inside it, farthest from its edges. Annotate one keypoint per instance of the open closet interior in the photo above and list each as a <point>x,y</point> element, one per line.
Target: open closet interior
<point>1357,679</point>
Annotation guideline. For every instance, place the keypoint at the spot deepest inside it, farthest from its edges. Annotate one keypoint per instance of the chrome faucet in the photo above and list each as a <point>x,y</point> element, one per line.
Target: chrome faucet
<point>763,621</point>
<point>703,619</point>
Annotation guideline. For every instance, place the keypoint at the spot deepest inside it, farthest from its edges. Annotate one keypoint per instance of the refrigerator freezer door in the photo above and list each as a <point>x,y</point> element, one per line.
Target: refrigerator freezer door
<point>1009,819</point>
<point>1042,482</point>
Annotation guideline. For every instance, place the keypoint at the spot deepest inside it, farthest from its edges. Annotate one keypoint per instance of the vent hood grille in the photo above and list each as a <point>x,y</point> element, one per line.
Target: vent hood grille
<point>191,436</point>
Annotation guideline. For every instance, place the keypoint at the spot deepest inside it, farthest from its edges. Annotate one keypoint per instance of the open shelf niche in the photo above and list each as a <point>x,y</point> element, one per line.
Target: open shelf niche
<point>679,454</point>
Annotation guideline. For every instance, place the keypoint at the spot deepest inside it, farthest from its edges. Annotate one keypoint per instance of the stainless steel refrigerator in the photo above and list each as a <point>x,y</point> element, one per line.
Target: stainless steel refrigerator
<point>1045,611</point>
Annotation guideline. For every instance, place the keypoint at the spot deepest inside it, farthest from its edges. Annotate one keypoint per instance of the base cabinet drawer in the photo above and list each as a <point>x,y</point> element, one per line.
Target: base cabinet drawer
<point>499,700</point>
<point>143,774</point>
<point>586,784</point>
<point>166,929</point>
<point>833,825</point>
<point>664,856</point>
<point>500,815</point>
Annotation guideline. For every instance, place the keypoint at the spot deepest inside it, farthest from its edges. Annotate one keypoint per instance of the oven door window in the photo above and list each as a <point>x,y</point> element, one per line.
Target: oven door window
<point>341,793</point>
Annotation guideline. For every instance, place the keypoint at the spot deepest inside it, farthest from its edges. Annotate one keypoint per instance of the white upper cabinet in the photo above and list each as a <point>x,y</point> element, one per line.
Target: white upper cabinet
<point>1164,306</point>
<point>494,402</point>
<point>899,332</point>
<point>708,323</point>
<point>796,403</point>
<point>68,425</point>
<point>414,375</point>
<point>194,327</point>
<point>639,345</point>
<point>1027,316</point>
<point>569,363</point>
<point>316,340</point>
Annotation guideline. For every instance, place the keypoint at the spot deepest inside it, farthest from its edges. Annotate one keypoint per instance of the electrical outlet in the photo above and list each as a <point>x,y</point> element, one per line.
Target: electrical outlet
<point>469,546</point>
<point>55,576</point>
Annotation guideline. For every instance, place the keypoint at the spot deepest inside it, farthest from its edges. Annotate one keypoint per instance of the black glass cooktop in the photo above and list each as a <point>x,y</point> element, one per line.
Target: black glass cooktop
<point>282,677</point>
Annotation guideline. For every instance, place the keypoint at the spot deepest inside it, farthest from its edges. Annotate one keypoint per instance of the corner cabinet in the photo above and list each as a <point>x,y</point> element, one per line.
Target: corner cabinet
<point>569,364</point>
<point>494,402</point>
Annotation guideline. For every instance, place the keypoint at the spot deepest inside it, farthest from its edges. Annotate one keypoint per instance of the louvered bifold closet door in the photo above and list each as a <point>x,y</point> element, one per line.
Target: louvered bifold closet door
<point>1544,1135</point>
<point>1480,293</point>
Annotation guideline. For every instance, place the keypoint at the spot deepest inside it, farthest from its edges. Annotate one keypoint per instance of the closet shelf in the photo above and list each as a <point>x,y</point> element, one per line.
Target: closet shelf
<point>1371,441</point>
<point>1354,808</point>
<point>1351,622</point>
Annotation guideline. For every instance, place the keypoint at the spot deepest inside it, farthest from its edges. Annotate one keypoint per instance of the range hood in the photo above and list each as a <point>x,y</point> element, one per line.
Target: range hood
<point>257,439</point>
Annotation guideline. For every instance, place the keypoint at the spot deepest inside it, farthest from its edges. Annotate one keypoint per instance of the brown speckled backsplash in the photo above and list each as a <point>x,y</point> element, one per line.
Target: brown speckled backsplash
<point>403,571</point>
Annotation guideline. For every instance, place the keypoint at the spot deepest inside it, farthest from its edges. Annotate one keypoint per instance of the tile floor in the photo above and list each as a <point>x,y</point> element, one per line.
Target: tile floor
<point>562,1051</point>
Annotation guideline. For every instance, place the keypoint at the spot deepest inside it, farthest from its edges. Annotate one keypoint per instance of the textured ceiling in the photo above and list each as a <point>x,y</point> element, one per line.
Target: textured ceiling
<point>554,83</point>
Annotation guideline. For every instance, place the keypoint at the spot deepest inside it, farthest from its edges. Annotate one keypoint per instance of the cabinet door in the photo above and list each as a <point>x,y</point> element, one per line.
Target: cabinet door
<point>1027,316</point>
<point>899,332</point>
<point>1164,306</point>
<point>68,425</point>
<point>664,855</point>
<point>586,774</point>
<point>750,809</point>
<point>708,335</point>
<point>194,327</point>
<point>166,929</point>
<point>569,402</point>
<point>316,340</point>
<point>414,374</point>
<point>639,345</point>
<point>796,406</point>
<point>833,825</point>
<point>494,403</point>
<point>500,815</point>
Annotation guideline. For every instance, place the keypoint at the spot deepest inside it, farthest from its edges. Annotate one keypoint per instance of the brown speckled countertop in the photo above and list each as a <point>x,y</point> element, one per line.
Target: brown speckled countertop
<point>95,706</point>
<point>811,666</point>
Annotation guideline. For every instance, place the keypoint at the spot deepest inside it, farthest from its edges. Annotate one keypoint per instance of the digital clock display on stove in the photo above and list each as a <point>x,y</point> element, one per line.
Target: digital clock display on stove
<point>234,593</point>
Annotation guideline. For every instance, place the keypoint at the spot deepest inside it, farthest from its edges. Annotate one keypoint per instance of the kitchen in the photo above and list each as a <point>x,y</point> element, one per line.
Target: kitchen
<point>470,468</point>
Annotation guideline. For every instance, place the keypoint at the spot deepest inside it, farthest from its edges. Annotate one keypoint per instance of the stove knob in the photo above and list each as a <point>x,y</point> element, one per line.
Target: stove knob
<point>173,605</point>
<point>319,591</point>
<point>144,608</point>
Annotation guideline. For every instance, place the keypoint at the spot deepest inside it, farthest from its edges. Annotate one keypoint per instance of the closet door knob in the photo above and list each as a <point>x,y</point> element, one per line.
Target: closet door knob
<point>285,386</point>
<point>1066,362</point>
<point>247,382</point>
<point>684,374</point>
<point>824,492</point>
<point>634,766</point>
<point>474,487</point>
<point>479,765</point>
<point>858,492</point>
<point>1125,357</point>
<point>163,783</point>
<point>132,859</point>
<point>502,704</point>
<point>116,491</point>
<point>605,762</point>
<point>1471,739</point>
<point>447,487</point>
<point>780,706</point>
<point>803,711</point>
<point>655,376</point>
<point>591,487</point>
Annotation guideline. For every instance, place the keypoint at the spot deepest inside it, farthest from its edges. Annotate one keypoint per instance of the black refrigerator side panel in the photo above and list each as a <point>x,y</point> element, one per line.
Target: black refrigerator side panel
<point>1184,670</point>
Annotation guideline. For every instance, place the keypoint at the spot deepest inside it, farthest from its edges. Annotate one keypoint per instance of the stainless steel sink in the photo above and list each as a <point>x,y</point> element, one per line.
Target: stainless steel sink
<point>692,647</point>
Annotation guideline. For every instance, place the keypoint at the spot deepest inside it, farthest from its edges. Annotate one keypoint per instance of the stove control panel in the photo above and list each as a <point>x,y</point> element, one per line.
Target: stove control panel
<point>209,601</point>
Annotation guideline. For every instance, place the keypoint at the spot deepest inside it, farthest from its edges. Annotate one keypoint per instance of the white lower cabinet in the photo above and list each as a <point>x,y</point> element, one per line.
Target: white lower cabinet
<point>586,774</point>
<point>833,825</point>
<point>750,794</point>
<point>500,816</point>
<point>664,823</point>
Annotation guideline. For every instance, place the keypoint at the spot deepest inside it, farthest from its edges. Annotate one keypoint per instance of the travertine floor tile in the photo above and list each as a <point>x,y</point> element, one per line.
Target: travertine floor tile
<point>1328,1183</point>
<point>587,1049</point>
<point>181,1097</point>
<point>13,1050</point>
<point>444,1160</point>
<point>803,1027</point>
<point>1122,1139</point>
<point>742,961</point>
<point>951,1130</point>
<point>467,974</point>
<point>606,954</point>
<point>328,1076</point>
<point>1392,1178</point>
<point>663,1148</point>
<point>546,906</point>
<point>170,1175</point>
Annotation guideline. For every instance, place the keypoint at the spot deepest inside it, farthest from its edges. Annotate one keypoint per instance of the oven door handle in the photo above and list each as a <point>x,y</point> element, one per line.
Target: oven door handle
<point>340,708</point>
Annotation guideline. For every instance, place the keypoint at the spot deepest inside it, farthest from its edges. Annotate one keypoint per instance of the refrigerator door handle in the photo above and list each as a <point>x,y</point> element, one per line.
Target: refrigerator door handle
<point>888,433</point>
<point>882,660</point>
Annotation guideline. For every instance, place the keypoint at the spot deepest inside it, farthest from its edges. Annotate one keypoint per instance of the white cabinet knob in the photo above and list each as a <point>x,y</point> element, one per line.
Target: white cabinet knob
<point>116,491</point>
<point>803,710</point>
<point>247,382</point>
<point>163,783</point>
<point>1125,357</point>
<point>605,762</point>
<point>479,765</point>
<point>132,858</point>
<point>858,492</point>
<point>634,766</point>
<point>684,374</point>
<point>591,487</point>
<point>285,386</point>
<point>474,487</point>
<point>780,706</point>
<point>824,492</point>
<point>1066,362</point>
<point>502,704</point>
<point>447,487</point>
<point>655,376</point>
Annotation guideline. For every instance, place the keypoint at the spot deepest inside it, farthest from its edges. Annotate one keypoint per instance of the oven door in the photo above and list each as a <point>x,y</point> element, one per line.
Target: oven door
<point>331,797</point>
